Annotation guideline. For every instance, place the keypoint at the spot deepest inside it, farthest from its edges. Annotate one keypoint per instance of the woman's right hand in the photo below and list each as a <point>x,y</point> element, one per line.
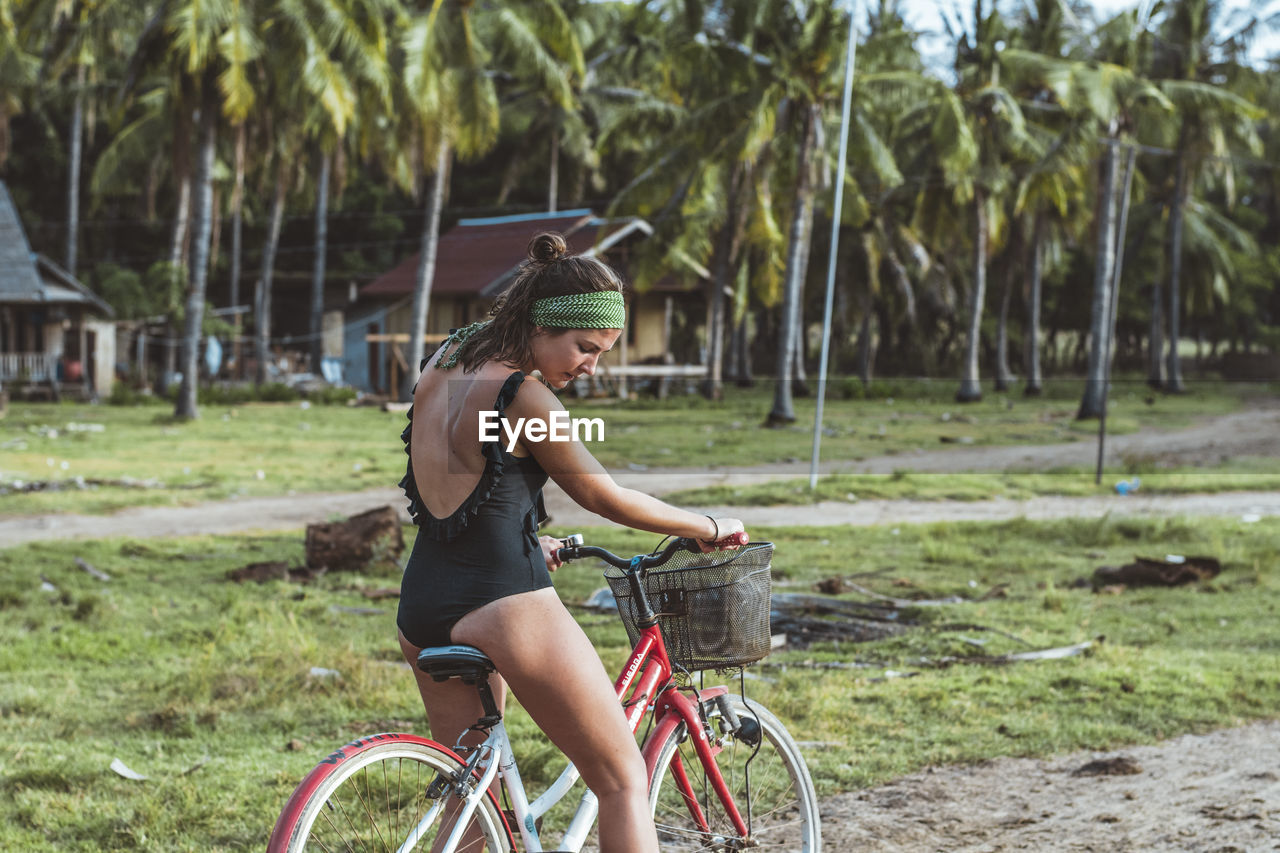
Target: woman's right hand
<point>725,528</point>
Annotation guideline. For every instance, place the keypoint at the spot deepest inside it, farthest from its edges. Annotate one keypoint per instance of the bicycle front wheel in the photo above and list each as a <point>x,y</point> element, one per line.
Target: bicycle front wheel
<point>764,772</point>
<point>376,794</point>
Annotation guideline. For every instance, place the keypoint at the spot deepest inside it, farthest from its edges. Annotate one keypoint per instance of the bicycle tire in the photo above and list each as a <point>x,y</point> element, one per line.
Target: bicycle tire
<point>369,794</point>
<point>783,805</point>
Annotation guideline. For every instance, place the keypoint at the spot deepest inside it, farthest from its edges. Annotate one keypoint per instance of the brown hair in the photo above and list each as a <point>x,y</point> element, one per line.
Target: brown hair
<point>549,270</point>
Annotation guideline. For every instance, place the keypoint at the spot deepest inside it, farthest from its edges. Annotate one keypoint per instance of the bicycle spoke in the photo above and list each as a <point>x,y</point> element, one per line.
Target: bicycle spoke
<point>767,781</point>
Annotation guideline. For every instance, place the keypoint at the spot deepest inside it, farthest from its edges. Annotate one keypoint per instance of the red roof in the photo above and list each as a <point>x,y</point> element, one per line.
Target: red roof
<point>476,253</point>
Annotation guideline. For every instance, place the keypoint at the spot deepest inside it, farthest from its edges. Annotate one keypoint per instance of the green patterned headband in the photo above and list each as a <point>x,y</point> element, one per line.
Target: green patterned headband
<point>600,309</point>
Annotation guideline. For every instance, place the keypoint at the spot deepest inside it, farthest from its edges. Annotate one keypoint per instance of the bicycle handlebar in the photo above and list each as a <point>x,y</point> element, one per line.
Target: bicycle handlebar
<point>575,550</point>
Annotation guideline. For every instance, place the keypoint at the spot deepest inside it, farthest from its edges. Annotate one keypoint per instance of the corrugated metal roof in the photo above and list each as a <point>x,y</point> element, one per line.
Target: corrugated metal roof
<point>477,253</point>
<point>19,281</point>
<point>30,279</point>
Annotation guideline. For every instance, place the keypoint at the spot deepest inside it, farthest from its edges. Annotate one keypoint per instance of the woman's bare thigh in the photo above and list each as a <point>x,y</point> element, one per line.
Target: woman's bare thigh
<point>557,675</point>
<point>452,707</point>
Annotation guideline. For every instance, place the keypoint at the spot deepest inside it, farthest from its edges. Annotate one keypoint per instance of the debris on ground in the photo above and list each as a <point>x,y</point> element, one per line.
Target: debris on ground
<point>351,545</point>
<point>1121,765</point>
<point>1173,570</point>
<point>121,769</point>
<point>95,572</point>
<point>809,619</point>
<point>274,570</point>
<point>23,487</point>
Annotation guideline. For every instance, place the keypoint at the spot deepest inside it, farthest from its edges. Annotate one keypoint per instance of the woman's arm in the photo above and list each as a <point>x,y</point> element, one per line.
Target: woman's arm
<point>587,482</point>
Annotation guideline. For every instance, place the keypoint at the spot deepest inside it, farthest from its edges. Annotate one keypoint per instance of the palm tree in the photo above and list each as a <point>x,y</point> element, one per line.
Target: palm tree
<point>1212,122</point>
<point>1083,99</point>
<point>976,130</point>
<point>210,50</point>
<point>343,51</point>
<point>19,26</point>
<point>450,106</point>
<point>706,176</point>
<point>84,39</point>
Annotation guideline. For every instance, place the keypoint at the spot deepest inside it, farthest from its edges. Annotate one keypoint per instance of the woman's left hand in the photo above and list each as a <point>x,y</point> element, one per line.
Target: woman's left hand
<point>550,546</point>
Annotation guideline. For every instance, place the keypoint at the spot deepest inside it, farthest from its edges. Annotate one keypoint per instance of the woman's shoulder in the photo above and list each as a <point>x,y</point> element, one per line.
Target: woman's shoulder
<point>528,395</point>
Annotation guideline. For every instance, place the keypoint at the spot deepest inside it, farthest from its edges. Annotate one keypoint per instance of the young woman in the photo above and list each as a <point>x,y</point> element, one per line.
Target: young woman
<point>479,574</point>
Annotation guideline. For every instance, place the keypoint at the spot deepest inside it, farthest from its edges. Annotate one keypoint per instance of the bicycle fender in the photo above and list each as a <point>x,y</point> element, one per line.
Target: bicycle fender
<point>288,817</point>
<point>670,709</point>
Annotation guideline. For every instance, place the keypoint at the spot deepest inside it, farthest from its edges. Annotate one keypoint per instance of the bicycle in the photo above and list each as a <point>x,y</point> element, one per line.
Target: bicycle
<point>724,773</point>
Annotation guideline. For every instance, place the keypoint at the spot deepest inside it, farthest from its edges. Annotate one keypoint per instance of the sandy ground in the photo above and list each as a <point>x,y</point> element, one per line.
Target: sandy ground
<point>1217,793</point>
<point>1213,793</point>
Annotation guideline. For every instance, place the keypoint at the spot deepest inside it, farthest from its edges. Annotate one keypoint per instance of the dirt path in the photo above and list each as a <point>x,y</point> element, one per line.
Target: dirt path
<point>1215,793</point>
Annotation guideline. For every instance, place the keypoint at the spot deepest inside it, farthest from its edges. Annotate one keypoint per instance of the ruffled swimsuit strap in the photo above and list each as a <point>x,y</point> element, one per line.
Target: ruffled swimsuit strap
<point>449,528</point>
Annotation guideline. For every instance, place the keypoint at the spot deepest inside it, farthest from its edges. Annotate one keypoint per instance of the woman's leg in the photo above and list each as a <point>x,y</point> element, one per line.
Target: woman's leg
<point>452,708</point>
<point>556,674</point>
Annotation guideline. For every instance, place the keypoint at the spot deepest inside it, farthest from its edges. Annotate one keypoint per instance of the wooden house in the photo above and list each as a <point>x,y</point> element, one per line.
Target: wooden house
<point>476,260</point>
<point>55,334</point>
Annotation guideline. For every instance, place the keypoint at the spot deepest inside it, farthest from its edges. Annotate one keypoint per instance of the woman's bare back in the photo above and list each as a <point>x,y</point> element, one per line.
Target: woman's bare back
<point>446,404</point>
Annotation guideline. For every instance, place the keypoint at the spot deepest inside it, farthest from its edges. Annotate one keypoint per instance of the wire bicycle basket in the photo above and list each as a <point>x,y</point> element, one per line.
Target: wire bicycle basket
<point>713,608</point>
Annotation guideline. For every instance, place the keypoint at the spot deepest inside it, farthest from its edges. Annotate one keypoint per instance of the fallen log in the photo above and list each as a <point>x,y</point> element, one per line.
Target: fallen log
<point>351,545</point>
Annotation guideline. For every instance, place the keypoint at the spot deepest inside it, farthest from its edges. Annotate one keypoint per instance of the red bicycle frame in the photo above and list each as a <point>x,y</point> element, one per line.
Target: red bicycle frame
<point>670,708</point>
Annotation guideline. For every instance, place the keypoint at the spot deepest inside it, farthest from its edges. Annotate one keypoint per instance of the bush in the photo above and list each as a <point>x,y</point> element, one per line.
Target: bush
<point>333,395</point>
<point>124,395</point>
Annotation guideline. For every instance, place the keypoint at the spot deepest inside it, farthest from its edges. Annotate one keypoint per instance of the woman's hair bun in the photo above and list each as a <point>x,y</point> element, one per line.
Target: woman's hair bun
<point>547,246</point>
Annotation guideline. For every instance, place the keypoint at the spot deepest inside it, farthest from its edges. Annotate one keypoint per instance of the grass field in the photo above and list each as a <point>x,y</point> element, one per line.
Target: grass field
<point>277,449</point>
<point>206,686</point>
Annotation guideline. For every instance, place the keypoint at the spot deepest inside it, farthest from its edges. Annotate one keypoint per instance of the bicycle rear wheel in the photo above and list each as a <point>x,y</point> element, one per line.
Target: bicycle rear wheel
<point>372,793</point>
<point>765,773</point>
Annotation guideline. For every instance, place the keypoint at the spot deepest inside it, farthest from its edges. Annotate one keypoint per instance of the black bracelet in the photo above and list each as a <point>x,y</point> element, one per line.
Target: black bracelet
<point>716,524</point>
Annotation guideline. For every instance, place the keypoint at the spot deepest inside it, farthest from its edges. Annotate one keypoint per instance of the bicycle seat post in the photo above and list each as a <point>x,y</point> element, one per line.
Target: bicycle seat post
<point>492,716</point>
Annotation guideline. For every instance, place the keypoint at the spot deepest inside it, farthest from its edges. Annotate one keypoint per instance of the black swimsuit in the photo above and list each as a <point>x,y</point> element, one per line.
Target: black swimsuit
<point>485,550</point>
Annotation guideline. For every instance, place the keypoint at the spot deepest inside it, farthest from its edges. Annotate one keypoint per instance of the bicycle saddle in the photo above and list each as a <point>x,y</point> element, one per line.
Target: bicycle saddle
<point>457,661</point>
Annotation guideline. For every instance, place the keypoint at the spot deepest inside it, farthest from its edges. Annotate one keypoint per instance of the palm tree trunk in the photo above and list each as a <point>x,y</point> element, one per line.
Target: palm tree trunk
<point>1091,404</point>
<point>74,158</point>
<point>553,180</point>
<point>1155,339</point>
<point>199,272</point>
<point>317,274</point>
<point>970,388</point>
<point>1034,387</point>
<point>712,388</point>
<point>426,269</point>
<point>742,373</point>
<point>181,222</point>
<point>783,411</point>
<point>237,232</point>
<point>177,244</point>
<point>866,351</point>
<point>1004,377</point>
<point>262,296</point>
<point>1173,383</point>
<point>1122,228</point>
